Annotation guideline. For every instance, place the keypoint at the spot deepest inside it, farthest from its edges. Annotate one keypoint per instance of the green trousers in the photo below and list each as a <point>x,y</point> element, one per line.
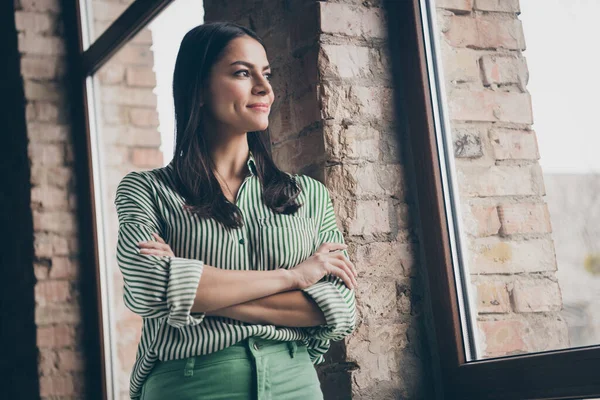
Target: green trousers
<point>253,369</point>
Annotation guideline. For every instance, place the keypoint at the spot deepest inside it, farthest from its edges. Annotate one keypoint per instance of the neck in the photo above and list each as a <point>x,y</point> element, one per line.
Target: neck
<point>230,158</point>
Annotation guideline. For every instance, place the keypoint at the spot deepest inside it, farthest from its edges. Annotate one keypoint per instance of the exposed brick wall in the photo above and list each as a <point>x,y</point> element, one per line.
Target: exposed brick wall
<point>130,140</point>
<point>507,223</point>
<point>53,202</point>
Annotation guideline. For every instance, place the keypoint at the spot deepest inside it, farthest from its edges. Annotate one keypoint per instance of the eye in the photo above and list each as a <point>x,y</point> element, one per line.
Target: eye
<point>241,70</point>
<point>269,75</point>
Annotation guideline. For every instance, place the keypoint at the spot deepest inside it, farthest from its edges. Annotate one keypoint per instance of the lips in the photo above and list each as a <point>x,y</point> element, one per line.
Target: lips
<point>259,105</point>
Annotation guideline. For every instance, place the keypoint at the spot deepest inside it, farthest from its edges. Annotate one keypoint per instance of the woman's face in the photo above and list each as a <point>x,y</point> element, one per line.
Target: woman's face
<point>238,81</point>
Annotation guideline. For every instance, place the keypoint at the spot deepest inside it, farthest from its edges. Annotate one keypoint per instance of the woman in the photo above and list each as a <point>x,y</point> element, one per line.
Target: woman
<point>237,268</point>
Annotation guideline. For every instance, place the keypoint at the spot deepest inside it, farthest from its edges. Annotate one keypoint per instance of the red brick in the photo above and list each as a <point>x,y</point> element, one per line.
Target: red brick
<point>460,6</point>
<point>61,222</point>
<point>504,70</point>
<point>460,64</point>
<point>48,245</point>
<point>33,22</point>
<point>51,112</point>
<point>30,112</point>
<point>132,54</point>
<point>143,117</point>
<point>378,221</point>
<point>41,67</point>
<point>482,220</point>
<point>501,180</point>
<point>46,154</point>
<point>524,218</point>
<point>111,74</point>
<point>536,295</point>
<point>498,5</point>
<point>56,336</point>
<point>60,176</point>
<point>495,256</point>
<point>47,133</point>
<point>512,144</point>
<point>46,91</point>
<point>384,259</point>
<point>140,76</point>
<point>148,158</point>
<point>127,96</point>
<point>70,360</point>
<point>113,114</point>
<point>490,106</point>
<point>492,297</point>
<point>484,32</point>
<point>351,20</point>
<point>50,198</point>
<point>48,292</point>
<point>107,11</point>
<point>63,267</point>
<point>40,271</point>
<point>52,6</point>
<point>60,313</point>
<point>504,337</point>
<point>47,362</point>
<point>41,45</point>
<point>143,37</point>
<point>57,385</point>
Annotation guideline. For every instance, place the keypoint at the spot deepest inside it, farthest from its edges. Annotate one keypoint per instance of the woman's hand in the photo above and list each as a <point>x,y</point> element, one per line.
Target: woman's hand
<point>159,248</point>
<point>327,260</point>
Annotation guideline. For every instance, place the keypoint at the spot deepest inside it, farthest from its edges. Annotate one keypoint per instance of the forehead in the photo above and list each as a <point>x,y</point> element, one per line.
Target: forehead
<point>247,49</point>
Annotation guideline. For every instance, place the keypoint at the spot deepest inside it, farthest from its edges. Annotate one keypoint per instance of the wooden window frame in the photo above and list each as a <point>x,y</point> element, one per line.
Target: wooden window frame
<point>570,372</point>
<point>83,63</point>
<point>561,374</point>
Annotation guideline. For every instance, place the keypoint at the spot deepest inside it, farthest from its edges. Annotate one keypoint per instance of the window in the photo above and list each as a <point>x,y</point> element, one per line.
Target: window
<point>496,240</point>
<point>129,118</point>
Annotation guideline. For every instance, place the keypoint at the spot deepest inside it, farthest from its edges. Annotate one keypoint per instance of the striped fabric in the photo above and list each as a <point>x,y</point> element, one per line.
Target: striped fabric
<point>162,289</point>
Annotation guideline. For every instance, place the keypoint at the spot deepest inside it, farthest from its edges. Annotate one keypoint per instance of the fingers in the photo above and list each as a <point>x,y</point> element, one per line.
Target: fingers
<point>154,245</point>
<point>331,246</point>
<point>159,248</point>
<point>343,265</point>
<point>339,269</point>
<point>154,252</point>
<point>348,262</point>
<point>155,235</point>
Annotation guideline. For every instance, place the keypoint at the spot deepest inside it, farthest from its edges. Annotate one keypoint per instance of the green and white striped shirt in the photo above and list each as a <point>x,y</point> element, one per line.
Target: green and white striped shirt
<point>162,289</point>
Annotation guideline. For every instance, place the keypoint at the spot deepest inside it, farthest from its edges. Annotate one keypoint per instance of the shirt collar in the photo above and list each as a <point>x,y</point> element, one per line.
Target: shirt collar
<point>251,163</point>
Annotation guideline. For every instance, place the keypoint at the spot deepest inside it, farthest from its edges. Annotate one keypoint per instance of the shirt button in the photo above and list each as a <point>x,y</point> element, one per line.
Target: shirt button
<point>242,241</point>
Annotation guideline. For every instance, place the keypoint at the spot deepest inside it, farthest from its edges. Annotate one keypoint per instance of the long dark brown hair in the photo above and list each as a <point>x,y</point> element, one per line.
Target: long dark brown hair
<point>200,49</point>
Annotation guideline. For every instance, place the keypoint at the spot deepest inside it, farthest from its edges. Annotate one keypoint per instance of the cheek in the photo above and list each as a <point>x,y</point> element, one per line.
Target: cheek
<point>229,96</point>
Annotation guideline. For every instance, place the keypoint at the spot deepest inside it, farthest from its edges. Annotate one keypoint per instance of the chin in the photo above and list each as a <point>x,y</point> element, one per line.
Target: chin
<point>258,127</point>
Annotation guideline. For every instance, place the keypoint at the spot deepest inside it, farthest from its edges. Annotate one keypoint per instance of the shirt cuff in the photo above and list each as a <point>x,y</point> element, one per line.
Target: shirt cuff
<point>184,278</point>
<point>338,318</point>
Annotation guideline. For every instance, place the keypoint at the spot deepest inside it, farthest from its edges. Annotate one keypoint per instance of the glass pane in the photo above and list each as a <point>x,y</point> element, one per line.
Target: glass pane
<point>521,174</point>
<point>133,130</point>
<point>100,14</point>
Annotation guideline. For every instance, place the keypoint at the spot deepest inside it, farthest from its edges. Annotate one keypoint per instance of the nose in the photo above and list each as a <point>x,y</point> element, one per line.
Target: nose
<point>263,86</point>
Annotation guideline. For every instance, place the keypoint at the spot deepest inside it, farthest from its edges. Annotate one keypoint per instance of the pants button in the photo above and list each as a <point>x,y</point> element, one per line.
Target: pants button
<point>256,346</point>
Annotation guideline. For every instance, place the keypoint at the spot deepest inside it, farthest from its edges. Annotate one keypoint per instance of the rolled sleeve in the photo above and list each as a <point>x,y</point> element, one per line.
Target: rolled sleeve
<point>333,297</point>
<point>154,286</point>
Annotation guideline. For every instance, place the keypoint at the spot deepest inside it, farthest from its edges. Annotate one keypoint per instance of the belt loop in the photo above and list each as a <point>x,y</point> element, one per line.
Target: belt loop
<point>292,346</point>
<point>189,367</point>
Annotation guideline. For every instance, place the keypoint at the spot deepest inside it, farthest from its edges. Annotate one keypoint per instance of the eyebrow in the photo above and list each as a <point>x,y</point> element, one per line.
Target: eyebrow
<point>247,64</point>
